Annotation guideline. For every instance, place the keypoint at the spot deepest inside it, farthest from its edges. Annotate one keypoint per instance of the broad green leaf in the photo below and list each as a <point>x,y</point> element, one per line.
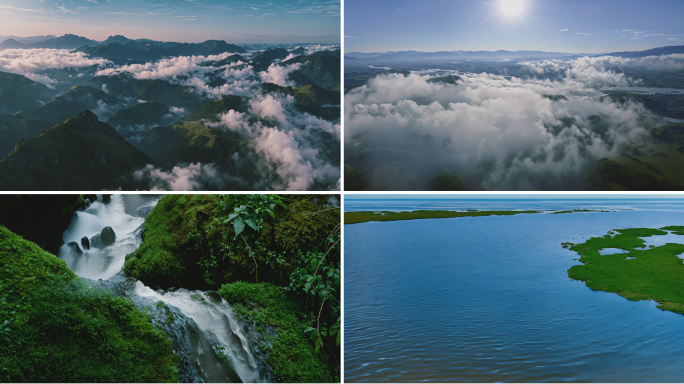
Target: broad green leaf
<point>252,223</point>
<point>238,225</point>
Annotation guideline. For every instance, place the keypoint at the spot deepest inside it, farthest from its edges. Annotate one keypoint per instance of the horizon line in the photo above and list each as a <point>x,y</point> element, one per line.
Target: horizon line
<point>519,50</point>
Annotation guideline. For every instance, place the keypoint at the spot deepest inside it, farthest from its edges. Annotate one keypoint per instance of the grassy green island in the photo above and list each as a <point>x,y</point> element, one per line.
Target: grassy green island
<point>366,216</point>
<point>653,273</point>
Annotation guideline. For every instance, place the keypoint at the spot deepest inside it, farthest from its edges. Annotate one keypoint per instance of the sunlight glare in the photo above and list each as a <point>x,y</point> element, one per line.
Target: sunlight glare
<point>511,7</point>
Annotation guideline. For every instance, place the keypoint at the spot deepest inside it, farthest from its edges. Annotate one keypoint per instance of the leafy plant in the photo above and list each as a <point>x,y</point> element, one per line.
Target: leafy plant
<point>318,280</point>
<point>250,210</point>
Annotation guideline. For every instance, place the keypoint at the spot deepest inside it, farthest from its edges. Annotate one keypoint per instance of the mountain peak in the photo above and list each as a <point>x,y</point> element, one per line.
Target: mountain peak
<point>87,116</point>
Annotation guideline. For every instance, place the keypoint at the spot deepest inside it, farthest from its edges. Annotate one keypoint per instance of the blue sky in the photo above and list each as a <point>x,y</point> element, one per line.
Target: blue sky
<point>176,20</point>
<point>578,26</point>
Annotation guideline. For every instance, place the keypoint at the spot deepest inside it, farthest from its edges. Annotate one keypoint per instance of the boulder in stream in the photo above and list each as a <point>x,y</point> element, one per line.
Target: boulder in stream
<point>75,248</point>
<point>85,243</point>
<point>107,236</point>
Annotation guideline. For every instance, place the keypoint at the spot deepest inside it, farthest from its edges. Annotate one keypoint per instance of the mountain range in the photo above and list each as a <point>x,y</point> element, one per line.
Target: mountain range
<point>67,41</point>
<point>361,58</point>
<point>121,47</point>
<point>89,132</point>
<point>27,40</point>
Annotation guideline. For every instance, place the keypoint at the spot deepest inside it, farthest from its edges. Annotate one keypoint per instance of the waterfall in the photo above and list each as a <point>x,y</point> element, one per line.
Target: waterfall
<point>205,332</point>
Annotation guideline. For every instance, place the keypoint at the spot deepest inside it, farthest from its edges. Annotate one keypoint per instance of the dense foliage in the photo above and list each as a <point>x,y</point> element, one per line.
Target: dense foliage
<point>55,327</point>
<point>188,242</point>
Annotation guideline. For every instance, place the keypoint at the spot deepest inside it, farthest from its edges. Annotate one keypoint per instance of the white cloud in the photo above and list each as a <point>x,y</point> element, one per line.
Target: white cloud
<point>493,132</point>
<point>195,176</point>
<point>34,60</point>
<point>277,74</point>
<point>43,79</point>
<point>178,111</point>
<point>289,151</point>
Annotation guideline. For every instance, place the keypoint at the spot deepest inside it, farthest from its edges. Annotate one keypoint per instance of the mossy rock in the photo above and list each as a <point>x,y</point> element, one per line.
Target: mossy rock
<point>56,327</point>
<point>183,244</point>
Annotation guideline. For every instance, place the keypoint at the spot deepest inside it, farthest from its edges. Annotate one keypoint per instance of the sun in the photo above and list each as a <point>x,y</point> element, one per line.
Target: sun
<point>511,7</point>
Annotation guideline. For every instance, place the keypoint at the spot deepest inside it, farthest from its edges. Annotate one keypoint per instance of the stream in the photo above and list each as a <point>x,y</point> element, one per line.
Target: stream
<point>211,343</point>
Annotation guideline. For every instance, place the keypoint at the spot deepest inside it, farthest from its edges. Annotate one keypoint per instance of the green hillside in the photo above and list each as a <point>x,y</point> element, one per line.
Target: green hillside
<point>150,113</point>
<point>658,166</point>
<point>79,154</point>
<point>18,93</point>
<point>14,128</point>
<point>192,142</point>
<point>323,68</point>
<point>69,103</point>
<point>209,111</point>
<point>125,85</point>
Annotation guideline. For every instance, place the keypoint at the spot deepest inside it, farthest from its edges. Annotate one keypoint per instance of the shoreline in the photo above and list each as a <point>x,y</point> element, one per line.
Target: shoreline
<point>357,217</point>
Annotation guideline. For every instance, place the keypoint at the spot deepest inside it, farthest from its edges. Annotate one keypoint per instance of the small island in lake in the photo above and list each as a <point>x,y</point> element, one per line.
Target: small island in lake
<point>640,273</point>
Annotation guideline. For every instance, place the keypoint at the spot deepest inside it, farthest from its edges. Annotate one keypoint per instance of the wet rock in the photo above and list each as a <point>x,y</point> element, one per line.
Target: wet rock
<point>107,236</point>
<point>85,243</point>
<point>96,242</point>
<point>139,233</point>
<point>143,211</point>
<point>106,199</point>
<point>75,248</point>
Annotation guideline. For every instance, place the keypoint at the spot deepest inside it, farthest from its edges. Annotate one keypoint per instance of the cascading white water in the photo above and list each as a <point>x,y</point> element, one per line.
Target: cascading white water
<point>102,263</point>
<point>213,316</point>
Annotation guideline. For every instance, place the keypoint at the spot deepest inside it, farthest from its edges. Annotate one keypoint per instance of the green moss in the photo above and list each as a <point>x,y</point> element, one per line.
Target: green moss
<point>185,245</point>
<point>58,328</point>
<point>293,357</point>
<point>653,273</point>
<point>363,216</point>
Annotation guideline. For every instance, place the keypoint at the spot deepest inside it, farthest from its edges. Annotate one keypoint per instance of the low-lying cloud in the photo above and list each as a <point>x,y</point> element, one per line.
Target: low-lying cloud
<point>25,61</point>
<point>191,177</point>
<point>494,132</point>
<point>290,150</point>
<point>604,70</point>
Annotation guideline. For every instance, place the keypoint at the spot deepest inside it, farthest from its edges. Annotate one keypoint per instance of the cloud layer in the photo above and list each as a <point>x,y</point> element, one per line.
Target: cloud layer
<point>290,148</point>
<point>494,132</point>
<point>34,60</point>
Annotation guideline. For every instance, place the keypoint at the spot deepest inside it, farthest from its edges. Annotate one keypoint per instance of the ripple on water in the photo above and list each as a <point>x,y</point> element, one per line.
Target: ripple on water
<point>500,307</point>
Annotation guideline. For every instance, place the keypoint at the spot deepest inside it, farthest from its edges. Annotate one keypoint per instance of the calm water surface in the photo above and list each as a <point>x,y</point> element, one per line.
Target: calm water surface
<point>488,299</point>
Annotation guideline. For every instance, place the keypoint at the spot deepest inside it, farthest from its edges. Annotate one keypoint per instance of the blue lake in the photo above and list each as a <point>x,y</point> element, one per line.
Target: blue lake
<point>487,299</point>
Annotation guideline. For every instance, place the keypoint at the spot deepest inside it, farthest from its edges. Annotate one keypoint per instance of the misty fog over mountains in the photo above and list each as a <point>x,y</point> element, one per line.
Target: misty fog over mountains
<point>189,116</point>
